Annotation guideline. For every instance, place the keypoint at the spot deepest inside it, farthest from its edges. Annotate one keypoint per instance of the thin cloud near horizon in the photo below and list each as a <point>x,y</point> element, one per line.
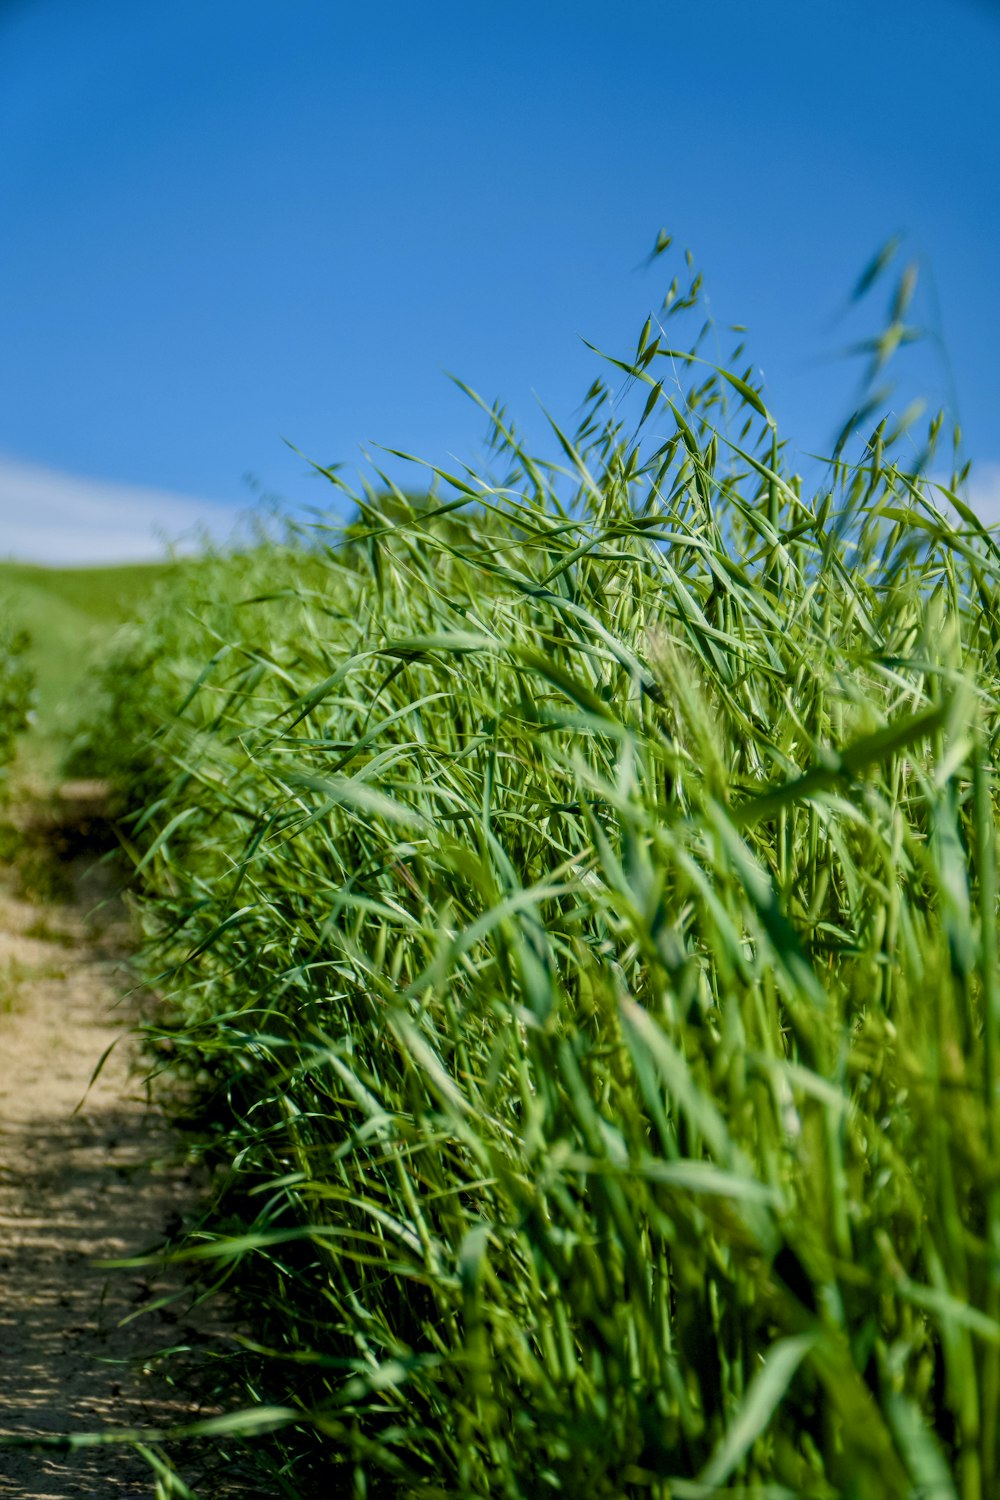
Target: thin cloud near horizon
<point>984,492</point>
<point>55,518</point>
<point>52,517</point>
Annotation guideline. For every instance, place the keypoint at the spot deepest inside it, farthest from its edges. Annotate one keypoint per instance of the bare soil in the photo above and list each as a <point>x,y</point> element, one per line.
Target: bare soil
<point>88,1173</point>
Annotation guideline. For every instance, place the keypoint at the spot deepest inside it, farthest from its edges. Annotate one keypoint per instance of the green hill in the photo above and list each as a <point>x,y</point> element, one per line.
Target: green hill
<point>70,613</point>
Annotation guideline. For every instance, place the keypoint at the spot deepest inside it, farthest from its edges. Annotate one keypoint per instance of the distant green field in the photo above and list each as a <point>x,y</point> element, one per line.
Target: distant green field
<point>70,614</point>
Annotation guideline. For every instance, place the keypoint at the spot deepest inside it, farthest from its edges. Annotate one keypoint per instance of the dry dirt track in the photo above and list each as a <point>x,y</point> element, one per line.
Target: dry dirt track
<point>76,1186</point>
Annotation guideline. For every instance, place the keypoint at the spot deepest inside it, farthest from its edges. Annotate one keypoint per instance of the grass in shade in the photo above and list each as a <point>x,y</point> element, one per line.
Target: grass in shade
<point>577,891</point>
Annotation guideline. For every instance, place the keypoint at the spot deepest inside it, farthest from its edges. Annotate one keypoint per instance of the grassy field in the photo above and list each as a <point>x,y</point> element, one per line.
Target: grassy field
<point>578,895</point>
<point>69,615</point>
<point>578,898</point>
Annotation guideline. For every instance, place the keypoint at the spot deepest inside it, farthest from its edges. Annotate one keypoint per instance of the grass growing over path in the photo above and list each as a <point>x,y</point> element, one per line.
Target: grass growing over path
<point>579,897</point>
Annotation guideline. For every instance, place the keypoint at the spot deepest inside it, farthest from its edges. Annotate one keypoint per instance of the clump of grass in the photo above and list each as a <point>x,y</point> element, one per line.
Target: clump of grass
<point>42,877</point>
<point>16,688</point>
<point>44,932</point>
<point>580,892</point>
<point>11,842</point>
<point>14,973</point>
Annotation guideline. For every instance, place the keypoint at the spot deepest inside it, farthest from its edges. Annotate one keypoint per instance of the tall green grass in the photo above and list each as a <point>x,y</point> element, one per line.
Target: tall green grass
<point>577,894</point>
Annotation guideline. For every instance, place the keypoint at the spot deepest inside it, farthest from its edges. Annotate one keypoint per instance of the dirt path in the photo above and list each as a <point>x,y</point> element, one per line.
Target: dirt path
<point>76,1186</point>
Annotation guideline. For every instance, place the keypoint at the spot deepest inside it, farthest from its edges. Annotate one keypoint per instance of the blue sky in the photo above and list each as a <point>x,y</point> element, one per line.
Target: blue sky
<point>227,224</point>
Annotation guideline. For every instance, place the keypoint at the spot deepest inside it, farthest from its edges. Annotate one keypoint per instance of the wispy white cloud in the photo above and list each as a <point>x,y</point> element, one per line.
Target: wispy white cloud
<point>983,493</point>
<point>47,516</point>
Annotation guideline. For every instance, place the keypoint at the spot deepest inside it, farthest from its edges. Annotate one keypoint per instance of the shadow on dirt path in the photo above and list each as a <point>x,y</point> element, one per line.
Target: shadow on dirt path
<point>80,1183</point>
